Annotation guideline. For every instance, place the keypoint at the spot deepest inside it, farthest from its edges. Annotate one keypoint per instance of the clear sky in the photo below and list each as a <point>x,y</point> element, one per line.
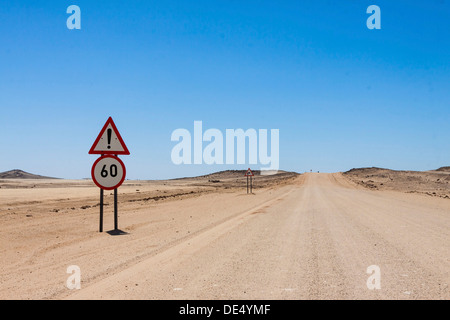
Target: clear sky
<point>342,95</point>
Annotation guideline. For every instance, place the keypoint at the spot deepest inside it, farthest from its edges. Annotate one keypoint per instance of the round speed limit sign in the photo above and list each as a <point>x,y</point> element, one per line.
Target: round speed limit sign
<point>108,172</point>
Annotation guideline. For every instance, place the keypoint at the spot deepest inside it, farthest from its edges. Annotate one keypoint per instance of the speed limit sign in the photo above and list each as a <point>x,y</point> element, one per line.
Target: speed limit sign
<point>108,172</point>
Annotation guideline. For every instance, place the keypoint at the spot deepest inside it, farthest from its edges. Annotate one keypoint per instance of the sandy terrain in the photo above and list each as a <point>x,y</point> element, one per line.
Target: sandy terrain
<point>434,183</point>
<point>302,237</point>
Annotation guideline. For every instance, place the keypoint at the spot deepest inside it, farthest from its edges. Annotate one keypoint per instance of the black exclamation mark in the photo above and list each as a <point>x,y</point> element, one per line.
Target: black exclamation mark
<point>109,138</point>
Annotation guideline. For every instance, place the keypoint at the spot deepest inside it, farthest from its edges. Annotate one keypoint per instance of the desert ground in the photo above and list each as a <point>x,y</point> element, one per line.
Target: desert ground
<point>298,236</point>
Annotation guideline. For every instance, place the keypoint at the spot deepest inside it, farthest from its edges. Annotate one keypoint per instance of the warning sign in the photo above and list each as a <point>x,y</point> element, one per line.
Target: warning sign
<point>109,141</point>
<point>249,173</point>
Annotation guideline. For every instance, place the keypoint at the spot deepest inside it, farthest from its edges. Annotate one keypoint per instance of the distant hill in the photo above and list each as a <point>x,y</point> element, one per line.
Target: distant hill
<point>434,183</point>
<point>229,174</point>
<point>371,170</point>
<point>19,174</point>
<point>375,170</point>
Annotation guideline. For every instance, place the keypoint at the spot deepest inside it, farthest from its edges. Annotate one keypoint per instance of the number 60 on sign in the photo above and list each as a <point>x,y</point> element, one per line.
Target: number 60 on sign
<point>108,172</point>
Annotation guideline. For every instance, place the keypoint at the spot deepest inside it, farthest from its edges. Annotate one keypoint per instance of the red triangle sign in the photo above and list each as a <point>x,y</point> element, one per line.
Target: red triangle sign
<point>249,173</point>
<point>109,141</point>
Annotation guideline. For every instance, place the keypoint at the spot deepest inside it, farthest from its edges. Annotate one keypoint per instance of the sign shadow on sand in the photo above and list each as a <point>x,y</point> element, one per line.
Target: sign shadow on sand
<point>116,232</point>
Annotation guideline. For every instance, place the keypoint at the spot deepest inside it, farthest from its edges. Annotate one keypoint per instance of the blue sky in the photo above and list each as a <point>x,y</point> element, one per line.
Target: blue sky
<point>342,95</point>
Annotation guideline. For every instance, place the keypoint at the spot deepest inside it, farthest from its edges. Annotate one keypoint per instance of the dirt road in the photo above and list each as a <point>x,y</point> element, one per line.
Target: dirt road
<point>313,239</point>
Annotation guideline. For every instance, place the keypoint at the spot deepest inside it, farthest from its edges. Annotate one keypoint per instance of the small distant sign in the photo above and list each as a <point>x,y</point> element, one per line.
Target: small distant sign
<point>249,173</point>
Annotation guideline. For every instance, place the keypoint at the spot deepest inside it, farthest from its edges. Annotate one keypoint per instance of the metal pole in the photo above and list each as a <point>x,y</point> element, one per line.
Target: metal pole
<point>247,184</point>
<point>101,211</point>
<point>251,184</point>
<point>115,210</point>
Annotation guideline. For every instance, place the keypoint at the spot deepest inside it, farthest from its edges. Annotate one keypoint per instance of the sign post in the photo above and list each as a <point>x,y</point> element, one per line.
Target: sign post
<point>249,174</point>
<point>101,211</point>
<point>116,218</point>
<point>108,171</point>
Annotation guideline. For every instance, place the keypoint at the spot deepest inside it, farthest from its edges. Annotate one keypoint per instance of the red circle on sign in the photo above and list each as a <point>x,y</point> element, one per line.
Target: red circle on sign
<point>116,185</point>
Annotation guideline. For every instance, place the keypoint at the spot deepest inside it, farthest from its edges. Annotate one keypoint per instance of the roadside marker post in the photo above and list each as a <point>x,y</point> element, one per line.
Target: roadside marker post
<point>249,174</point>
<point>108,171</point>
